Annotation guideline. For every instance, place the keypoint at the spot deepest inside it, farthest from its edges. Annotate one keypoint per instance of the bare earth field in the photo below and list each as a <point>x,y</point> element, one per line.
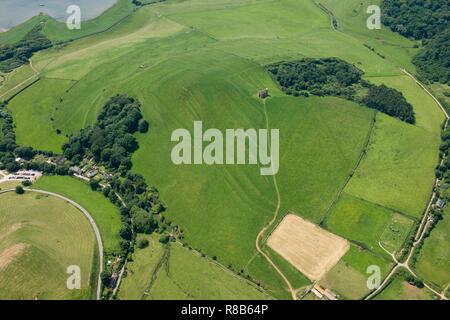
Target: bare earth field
<point>309,248</point>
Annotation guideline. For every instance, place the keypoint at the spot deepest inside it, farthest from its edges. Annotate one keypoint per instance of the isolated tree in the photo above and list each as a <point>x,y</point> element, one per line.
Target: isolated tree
<point>142,243</point>
<point>20,190</point>
<point>143,126</point>
<point>105,277</point>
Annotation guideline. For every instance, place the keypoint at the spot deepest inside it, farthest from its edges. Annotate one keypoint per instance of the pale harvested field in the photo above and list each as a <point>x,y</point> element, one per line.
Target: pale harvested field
<point>309,248</point>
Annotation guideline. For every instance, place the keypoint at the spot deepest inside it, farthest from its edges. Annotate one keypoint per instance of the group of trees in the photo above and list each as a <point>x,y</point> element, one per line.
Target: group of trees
<point>110,141</point>
<point>335,77</point>
<point>7,140</point>
<point>389,101</point>
<point>426,20</point>
<point>418,19</point>
<point>328,76</point>
<point>15,55</point>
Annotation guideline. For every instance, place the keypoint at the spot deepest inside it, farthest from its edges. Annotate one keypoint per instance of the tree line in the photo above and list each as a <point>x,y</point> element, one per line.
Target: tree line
<point>335,77</point>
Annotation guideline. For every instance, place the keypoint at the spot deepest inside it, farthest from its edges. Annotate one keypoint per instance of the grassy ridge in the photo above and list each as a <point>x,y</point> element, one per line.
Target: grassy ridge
<point>369,224</point>
<point>189,61</point>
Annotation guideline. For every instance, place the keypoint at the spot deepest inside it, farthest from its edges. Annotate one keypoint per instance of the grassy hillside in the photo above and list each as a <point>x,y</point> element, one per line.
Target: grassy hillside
<point>40,236</point>
<point>433,262</point>
<point>105,214</point>
<point>349,277</point>
<point>399,289</point>
<point>36,105</point>
<point>369,224</point>
<point>398,170</point>
<point>158,272</point>
<point>57,31</point>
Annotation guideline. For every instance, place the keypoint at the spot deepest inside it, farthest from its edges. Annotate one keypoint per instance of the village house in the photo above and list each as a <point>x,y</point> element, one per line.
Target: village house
<point>92,173</point>
<point>440,203</point>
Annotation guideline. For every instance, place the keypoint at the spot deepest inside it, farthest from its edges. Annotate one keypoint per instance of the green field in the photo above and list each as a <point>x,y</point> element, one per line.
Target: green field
<point>433,262</point>
<point>160,273</point>
<point>40,236</point>
<point>398,170</point>
<point>16,80</point>
<point>369,224</point>
<point>36,105</point>
<point>205,60</point>
<point>349,277</point>
<point>399,289</point>
<point>105,214</point>
<point>57,31</point>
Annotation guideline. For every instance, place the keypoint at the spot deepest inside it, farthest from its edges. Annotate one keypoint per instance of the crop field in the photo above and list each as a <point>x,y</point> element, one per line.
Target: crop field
<point>206,60</point>
<point>158,272</point>
<point>433,262</point>
<point>105,214</point>
<point>40,237</point>
<point>309,248</point>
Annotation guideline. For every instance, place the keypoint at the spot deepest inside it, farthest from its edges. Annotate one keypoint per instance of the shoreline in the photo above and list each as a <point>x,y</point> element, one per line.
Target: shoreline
<point>60,18</point>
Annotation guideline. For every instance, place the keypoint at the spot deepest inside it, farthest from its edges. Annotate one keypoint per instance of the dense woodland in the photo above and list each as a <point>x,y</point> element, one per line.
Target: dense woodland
<point>110,141</point>
<point>429,21</point>
<point>328,76</point>
<point>13,56</point>
<point>418,19</point>
<point>434,61</point>
<point>334,77</point>
<point>389,101</point>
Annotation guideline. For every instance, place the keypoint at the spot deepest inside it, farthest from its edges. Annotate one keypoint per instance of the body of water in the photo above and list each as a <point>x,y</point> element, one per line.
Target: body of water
<point>14,12</point>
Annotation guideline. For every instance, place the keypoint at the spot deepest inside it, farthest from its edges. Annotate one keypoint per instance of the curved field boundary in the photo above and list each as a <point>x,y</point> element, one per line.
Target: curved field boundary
<point>91,221</point>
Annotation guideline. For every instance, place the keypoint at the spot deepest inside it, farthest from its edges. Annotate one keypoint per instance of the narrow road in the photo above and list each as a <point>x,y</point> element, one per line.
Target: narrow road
<point>424,224</point>
<point>91,221</point>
